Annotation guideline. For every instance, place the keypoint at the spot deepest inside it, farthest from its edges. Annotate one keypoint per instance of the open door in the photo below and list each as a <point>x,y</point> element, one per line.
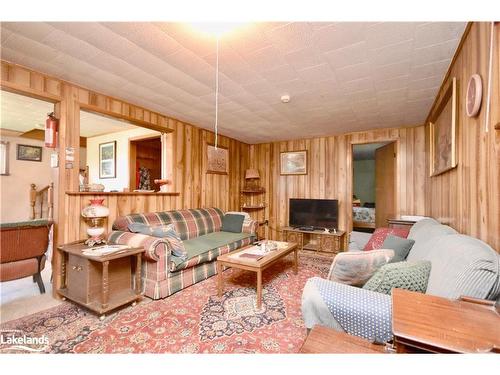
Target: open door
<point>385,184</point>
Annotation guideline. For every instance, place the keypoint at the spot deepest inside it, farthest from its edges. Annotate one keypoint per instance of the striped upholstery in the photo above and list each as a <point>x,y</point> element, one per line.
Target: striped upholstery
<point>161,277</point>
<point>154,246</point>
<point>250,226</point>
<point>461,265</point>
<point>210,255</point>
<point>188,223</point>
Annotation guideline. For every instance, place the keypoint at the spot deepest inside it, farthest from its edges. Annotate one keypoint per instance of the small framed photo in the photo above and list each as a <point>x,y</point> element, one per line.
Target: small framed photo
<point>29,153</point>
<point>217,159</point>
<point>107,160</point>
<point>293,163</point>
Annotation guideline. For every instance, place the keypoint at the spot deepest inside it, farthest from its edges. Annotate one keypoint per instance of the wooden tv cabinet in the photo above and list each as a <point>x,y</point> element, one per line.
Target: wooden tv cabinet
<point>316,240</point>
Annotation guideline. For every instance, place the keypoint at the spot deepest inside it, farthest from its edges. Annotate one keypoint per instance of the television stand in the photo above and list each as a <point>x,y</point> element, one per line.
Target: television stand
<point>304,228</point>
<point>316,240</point>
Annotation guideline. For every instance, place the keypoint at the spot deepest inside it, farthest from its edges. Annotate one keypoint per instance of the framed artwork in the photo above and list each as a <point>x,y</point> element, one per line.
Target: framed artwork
<point>29,153</point>
<point>107,160</point>
<point>443,132</point>
<point>217,159</point>
<point>293,163</point>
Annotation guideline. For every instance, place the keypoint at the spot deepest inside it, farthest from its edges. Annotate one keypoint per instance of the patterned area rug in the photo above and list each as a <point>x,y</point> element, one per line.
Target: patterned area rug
<point>193,320</point>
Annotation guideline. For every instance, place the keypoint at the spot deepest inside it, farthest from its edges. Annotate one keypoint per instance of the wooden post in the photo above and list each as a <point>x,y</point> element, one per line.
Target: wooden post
<point>32,201</point>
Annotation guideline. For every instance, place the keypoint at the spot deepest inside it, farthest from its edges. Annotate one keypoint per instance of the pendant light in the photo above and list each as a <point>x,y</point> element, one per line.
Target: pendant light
<point>216,90</point>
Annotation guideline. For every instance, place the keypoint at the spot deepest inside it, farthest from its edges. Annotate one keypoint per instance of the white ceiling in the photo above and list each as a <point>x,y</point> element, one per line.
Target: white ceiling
<point>341,77</point>
<point>21,113</point>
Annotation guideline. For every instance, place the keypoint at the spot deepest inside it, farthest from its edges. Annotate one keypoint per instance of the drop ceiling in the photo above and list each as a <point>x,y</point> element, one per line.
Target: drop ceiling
<point>21,114</point>
<point>341,77</point>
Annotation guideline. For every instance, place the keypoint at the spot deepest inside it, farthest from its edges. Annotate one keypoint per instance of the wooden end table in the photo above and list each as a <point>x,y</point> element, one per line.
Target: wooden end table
<point>100,283</point>
<point>425,323</point>
<point>323,340</point>
<point>257,266</point>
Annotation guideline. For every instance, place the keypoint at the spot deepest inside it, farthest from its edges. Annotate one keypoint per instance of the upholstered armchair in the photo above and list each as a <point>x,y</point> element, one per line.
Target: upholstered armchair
<point>24,245</point>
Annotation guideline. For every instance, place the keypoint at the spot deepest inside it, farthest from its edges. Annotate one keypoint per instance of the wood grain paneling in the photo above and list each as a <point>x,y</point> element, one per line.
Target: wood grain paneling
<point>468,197</point>
<point>187,164</point>
<point>330,174</point>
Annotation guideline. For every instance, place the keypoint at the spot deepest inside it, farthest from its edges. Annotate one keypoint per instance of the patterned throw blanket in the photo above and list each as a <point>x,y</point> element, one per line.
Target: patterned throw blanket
<point>360,312</point>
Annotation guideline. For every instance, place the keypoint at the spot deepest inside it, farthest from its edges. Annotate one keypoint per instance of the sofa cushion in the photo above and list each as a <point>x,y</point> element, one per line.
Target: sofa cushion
<point>169,233</point>
<point>188,223</point>
<point>356,267</point>
<point>206,248</point>
<point>401,247</point>
<point>412,276</point>
<point>232,223</point>
<point>424,241</point>
<point>379,235</point>
<point>140,228</point>
<point>417,231</point>
<point>461,265</point>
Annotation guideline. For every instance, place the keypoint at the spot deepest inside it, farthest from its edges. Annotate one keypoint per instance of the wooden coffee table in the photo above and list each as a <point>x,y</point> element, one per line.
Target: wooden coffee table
<point>257,266</point>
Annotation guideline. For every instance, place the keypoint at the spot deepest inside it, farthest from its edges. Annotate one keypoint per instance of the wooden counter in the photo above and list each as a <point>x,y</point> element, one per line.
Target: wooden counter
<point>119,204</point>
<point>120,193</point>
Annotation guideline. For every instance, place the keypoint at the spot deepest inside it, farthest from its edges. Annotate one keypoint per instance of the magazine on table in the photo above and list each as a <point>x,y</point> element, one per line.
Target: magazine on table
<point>105,250</point>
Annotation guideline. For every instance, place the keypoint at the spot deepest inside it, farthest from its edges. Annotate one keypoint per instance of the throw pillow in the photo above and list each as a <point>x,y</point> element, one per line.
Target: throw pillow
<point>356,267</point>
<point>140,228</point>
<point>232,223</point>
<point>164,231</point>
<point>379,235</point>
<point>412,276</point>
<point>401,247</point>
<point>169,233</point>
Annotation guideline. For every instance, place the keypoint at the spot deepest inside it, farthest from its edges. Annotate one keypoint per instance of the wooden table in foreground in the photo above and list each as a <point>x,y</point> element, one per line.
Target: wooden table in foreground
<point>323,340</point>
<point>103,283</point>
<point>257,266</point>
<point>425,323</point>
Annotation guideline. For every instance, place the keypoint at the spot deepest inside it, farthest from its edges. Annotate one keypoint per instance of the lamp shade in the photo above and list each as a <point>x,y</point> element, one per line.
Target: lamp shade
<point>251,173</point>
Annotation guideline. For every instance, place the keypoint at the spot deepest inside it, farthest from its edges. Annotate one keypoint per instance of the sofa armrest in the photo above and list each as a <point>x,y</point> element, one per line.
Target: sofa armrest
<point>358,240</point>
<point>357,311</point>
<point>250,226</point>
<point>155,248</point>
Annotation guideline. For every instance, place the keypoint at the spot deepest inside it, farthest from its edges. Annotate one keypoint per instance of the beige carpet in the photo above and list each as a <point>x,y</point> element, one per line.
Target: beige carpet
<point>22,297</point>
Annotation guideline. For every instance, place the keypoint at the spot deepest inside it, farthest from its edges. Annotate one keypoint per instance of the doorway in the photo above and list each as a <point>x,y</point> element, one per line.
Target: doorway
<point>145,163</point>
<point>374,185</point>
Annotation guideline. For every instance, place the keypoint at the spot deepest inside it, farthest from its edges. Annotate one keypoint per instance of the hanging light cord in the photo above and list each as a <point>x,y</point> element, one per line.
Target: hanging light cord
<point>216,91</point>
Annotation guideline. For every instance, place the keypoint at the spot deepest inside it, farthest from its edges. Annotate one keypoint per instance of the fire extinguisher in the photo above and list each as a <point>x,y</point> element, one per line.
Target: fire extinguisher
<point>51,131</point>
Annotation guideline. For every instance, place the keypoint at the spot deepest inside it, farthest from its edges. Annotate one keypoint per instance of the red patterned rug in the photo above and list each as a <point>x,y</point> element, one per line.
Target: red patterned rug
<point>193,320</point>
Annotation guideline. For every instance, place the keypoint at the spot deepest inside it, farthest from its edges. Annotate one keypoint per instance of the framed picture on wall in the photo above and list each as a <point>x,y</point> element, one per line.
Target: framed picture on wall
<point>29,153</point>
<point>293,163</point>
<point>107,160</point>
<point>443,132</point>
<point>217,159</point>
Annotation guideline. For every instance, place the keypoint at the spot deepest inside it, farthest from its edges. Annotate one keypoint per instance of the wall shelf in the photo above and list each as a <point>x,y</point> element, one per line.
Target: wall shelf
<point>258,207</point>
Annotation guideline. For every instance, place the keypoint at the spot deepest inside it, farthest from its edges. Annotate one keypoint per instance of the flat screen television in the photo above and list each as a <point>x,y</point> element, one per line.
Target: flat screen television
<point>313,213</point>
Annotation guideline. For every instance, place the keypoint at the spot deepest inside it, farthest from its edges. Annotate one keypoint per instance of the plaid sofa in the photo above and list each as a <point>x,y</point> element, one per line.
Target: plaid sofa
<point>163,274</point>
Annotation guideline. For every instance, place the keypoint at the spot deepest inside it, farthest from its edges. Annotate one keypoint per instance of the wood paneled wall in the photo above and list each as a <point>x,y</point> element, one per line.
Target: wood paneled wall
<point>119,204</point>
<point>330,173</point>
<point>468,197</point>
<point>196,188</point>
